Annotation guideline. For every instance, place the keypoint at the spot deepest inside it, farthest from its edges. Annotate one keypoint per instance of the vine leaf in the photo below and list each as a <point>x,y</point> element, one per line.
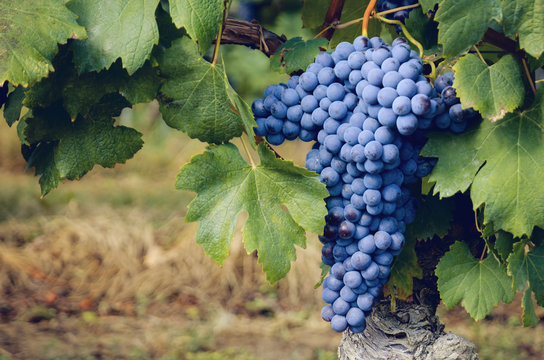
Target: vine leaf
<point>528,266</point>
<point>504,163</point>
<point>201,19</point>
<point>462,23</point>
<point>226,185</point>
<point>296,54</point>
<point>492,90</point>
<point>422,28</point>
<point>123,29</point>
<point>194,98</point>
<point>404,269</point>
<point>479,285</point>
<point>503,243</point>
<point>525,18</point>
<point>528,316</point>
<point>433,217</point>
<point>68,150</point>
<point>79,93</point>
<point>30,31</point>
<point>427,5</point>
<point>14,104</point>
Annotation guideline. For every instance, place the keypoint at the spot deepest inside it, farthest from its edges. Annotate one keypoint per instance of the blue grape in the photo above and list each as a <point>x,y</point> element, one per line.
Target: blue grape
<point>402,105</point>
<point>309,103</point>
<point>365,301</point>
<point>338,110</point>
<point>339,323</point>
<point>327,313</point>
<point>308,81</point>
<point>342,70</point>
<point>294,113</point>
<point>355,317</point>
<point>375,76</point>
<point>421,104</point>
<point>407,124</point>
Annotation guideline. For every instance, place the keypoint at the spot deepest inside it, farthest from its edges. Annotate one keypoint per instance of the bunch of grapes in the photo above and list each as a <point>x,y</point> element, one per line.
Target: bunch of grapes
<point>368,107</point>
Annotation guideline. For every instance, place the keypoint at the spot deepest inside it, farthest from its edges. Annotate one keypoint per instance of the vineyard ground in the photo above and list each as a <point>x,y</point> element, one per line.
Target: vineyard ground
<point>106,268</point>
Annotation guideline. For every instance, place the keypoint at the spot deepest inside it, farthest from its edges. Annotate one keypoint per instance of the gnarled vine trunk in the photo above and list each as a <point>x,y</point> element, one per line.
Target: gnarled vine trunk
<point>412,332</point>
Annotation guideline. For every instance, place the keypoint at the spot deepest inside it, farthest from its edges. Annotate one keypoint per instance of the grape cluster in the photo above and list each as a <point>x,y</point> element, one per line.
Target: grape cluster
<point>401,15</point>
<point>451,115</point>
<point>368,106</point>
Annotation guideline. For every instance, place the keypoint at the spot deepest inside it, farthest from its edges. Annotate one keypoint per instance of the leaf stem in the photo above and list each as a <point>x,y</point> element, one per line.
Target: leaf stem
<point>407,7</point>
<point>483,252</point>
<point>215,55</point>
<point>366,16</point>
<point>528,74</point>
<point>479,55</point>
<point>247,152</point>
<point>404,30</point>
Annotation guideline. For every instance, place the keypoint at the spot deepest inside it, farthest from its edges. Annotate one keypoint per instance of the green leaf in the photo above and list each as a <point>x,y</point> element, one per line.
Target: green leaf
<point>296,54</point>
<point>528,317</point>
<point>68,150</point>
<point>422,28</point>
<point>526,266</point>
<point>226,185</point>
<point>492,90</point>
<point>433,217</point>
<point>194,98</point>
<point>313,13</point>
<point>427,5</point>
<point>504,242</point>
<point>79,93</point>
<point>201,19</point>
<point>404,269</point>
<point>29,33</point>
<point>325,269</point>
<point>525,18</point>
<point>480,285</point>
<point>14,104</point>
<point>462,23</point>
<point>504,161</point>
<point>123,29</point>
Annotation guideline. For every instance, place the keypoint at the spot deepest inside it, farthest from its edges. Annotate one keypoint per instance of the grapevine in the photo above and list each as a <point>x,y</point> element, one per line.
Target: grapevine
<point>430,100</point>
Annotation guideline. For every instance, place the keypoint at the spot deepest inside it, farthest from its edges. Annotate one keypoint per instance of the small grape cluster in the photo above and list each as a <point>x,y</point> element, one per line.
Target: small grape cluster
<point>401,15</point>
<point>368,106</point>
<point>451,115</point>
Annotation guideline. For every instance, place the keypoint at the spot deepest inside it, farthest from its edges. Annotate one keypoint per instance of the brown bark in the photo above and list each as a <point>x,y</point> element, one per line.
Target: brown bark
<point>412,332</point>
<point>251,34</point>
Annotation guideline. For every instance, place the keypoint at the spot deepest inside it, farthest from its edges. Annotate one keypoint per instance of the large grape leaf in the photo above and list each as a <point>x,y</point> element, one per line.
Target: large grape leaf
<point>123,29</point>
<point>68,150</point>
<point>462,23</point>
<point>504,162</point>
<point>492,90</point>
<point>80,92</point>
<point>194,98</point>
<point>480,285</point>
<point>404,269</point>
<point>525,18</point>
<point>201,19</point>
<point>226,185</point>
<point>29,33</point>
<point>313,13</point>
<point>296,54</point>
<point>526,266</point>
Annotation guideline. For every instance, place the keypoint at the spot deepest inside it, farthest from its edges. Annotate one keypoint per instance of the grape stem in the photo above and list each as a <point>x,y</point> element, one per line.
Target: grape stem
<point>247,152</point>
<point>479,54</point>
<point>400,8</point>
<point>404,30</point>
<point>366,16</point>
<point>528,74</point>
<point>226,5</point>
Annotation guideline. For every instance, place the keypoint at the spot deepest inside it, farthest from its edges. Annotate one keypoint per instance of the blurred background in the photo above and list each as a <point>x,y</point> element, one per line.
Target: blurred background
<point>106,267</point>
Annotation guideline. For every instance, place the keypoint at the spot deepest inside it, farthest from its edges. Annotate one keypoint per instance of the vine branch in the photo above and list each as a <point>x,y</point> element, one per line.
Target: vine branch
<point>252,35</point>
<point>333,16</point>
